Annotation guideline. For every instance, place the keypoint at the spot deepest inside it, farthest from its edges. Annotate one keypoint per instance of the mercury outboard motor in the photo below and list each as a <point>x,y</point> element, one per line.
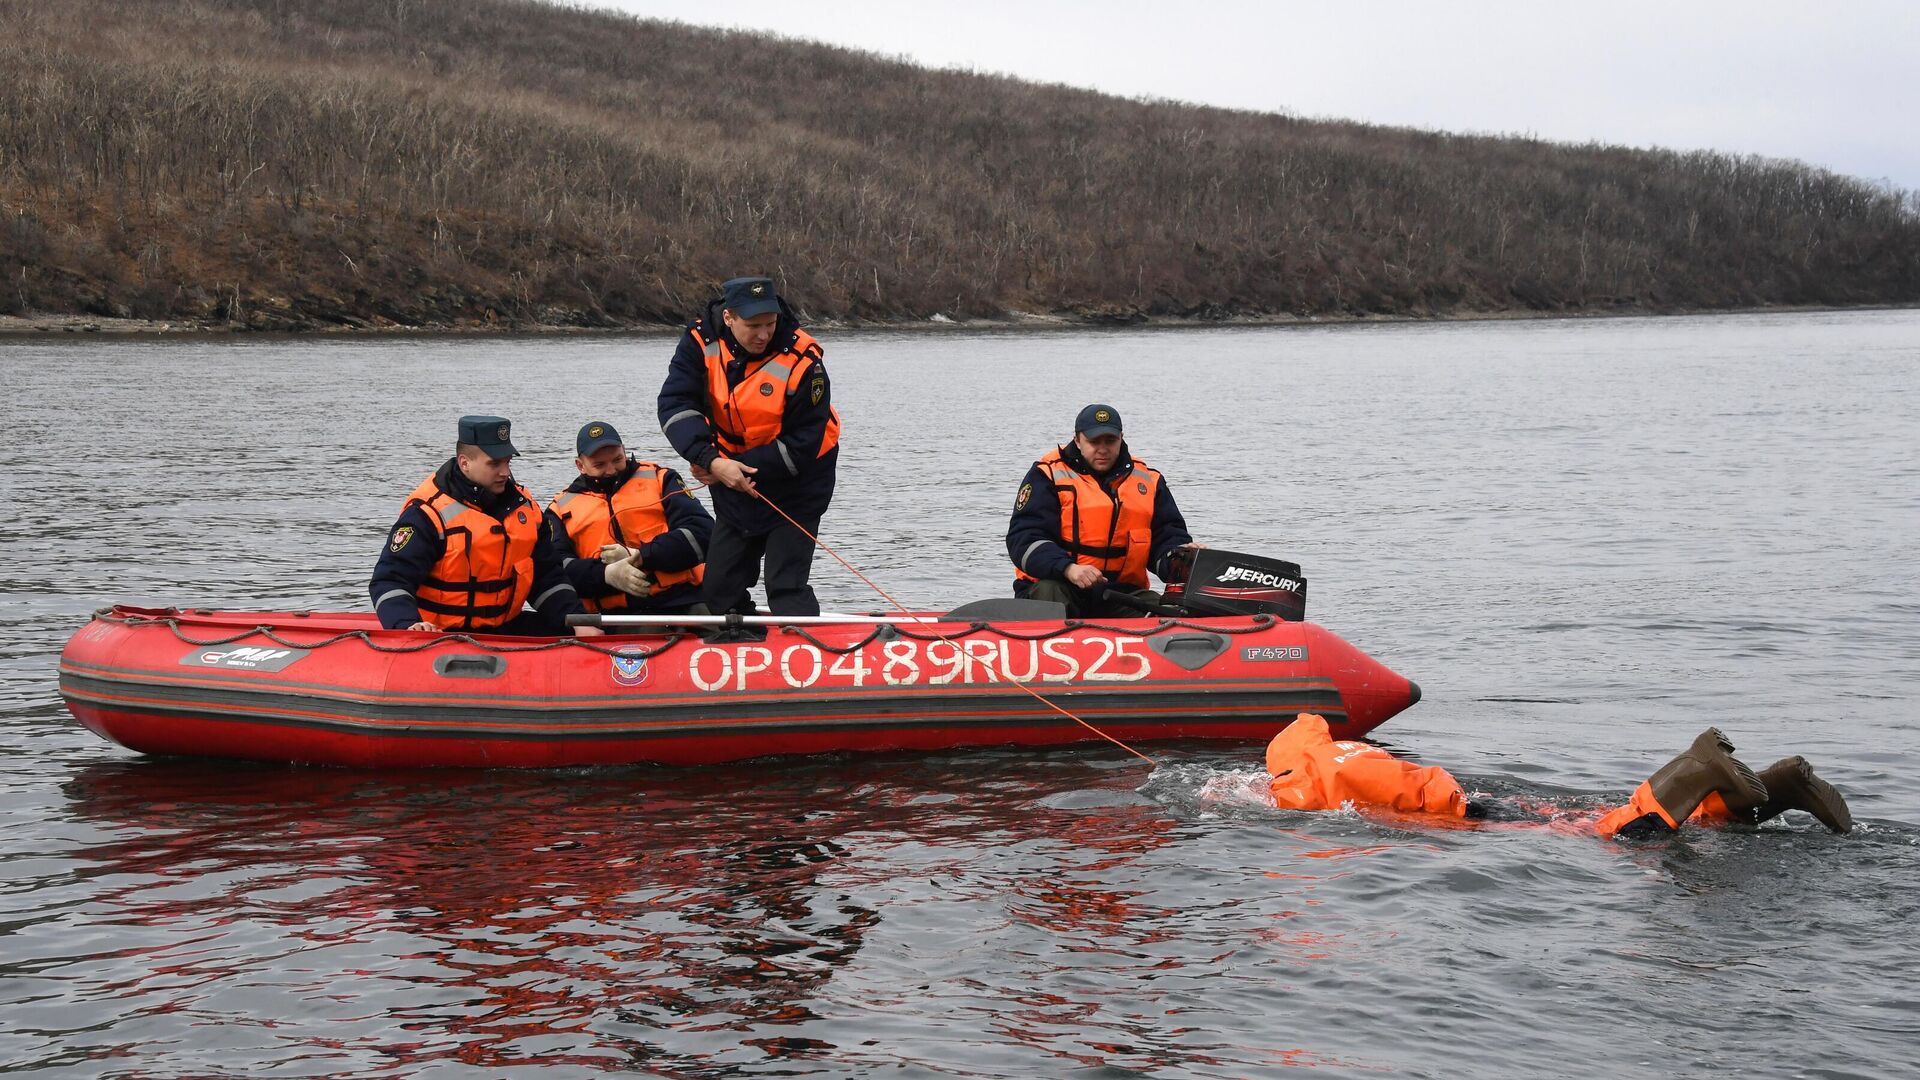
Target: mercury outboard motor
<point>1229,583</point>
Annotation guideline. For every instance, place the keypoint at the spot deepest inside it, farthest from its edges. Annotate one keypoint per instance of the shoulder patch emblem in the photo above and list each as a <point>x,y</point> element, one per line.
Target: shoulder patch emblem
<point>523,513</point>
<point>766,389</point>
<point>401,537</point>
<point>1142,487</point>
<point>819,389</point>
<point>1026,492</point>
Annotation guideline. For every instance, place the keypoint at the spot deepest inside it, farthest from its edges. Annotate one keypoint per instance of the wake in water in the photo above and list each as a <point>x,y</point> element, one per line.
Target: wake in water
<point>1308,770</point>
<point>1203,792</point>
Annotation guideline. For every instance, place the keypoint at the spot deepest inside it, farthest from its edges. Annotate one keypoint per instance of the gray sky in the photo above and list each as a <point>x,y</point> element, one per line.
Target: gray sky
<point>1835,84</point>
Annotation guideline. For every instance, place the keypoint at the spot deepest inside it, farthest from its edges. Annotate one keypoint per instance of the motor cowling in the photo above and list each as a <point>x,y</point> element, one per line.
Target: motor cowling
<point>1232,583</point>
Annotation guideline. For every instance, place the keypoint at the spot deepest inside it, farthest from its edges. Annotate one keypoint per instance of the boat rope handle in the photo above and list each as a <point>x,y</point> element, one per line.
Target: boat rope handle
<point>451,637</point>
<point>902,608</point>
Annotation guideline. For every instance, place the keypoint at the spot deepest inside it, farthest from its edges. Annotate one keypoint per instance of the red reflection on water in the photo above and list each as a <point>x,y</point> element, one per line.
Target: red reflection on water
<point>542,907</point>
<point>606,919</point>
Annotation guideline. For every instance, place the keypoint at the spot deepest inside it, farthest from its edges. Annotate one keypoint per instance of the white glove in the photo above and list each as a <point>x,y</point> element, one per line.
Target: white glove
<point>613,553</point>
<point>629,579</point>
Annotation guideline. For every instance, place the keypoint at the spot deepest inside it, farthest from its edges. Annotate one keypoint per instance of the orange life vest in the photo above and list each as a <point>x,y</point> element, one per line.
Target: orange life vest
<point>486,566</point>
<point>1313,772</point>
<point>1111,533</point>
<point>631,516</point>
<point>749,415</point>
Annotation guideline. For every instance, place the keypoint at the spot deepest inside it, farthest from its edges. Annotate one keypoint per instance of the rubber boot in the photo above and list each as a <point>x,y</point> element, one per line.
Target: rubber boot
<point>1791,785</point>
<point>1704,768</point>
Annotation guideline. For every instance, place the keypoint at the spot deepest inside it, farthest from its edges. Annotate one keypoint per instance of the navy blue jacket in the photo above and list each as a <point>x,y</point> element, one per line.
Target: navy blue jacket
<point>1033,533</point>
<point>682,547</point>
<point>798,480</point>
<point>400,571</point>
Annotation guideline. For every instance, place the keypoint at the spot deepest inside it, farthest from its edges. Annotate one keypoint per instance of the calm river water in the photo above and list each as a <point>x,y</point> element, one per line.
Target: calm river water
<point>1586,541</point>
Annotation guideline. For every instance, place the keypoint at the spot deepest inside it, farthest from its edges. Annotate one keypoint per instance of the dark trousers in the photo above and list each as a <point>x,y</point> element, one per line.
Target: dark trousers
<point>529,624</point>
<point>733,567</point>
<point>1085,604</point>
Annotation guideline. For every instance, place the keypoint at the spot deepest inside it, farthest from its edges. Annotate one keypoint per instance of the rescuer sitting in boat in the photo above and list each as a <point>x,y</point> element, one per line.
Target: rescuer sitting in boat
<point>1092,519</point>
<point>747,402</point>
<point>631,537</point>
<point>470,549</point>
<point>1313,771</point>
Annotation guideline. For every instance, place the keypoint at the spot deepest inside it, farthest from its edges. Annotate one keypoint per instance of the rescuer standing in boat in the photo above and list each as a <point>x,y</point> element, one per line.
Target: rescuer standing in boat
<point>631,538</point>
<point>1090,517</point>
<point>1313,771</point>
<point>470,549</point>
<point>747,402</point>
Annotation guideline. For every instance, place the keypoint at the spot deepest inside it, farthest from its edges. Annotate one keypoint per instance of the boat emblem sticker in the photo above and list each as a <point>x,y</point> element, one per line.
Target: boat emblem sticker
<point>246,658</point>
<point>629,670</point>
<point>401,537</point>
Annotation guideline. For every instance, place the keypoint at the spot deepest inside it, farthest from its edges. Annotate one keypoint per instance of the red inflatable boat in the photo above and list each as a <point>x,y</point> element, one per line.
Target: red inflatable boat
<point>336,689</point>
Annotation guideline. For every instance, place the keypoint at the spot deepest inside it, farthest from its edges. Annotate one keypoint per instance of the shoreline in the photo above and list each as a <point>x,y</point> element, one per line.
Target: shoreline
<point>14,327</point>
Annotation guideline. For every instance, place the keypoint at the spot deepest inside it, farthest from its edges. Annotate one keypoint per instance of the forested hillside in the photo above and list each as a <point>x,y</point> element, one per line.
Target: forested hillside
<point>286,164</point>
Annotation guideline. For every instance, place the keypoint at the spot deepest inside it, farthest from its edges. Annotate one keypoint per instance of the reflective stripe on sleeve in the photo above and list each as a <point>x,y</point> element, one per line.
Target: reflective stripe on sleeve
<point>1028,554</point>
<point>541,601</point>
<point>684,414</point>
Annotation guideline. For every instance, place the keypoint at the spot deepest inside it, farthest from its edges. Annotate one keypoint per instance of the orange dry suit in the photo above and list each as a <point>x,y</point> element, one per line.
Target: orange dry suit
<point>1311,771</point>
<point>631,516</point>
<point>1111,531</point>
<point>1712,810</point>
<point>749,415</point>
<point>486,569</point>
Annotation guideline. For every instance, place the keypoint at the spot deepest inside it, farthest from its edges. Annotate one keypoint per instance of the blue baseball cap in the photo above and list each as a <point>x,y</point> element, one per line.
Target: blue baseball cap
<point>1096,420</point>
<point>596,434</point>
<point>492,434</point>
<point>749,296</point>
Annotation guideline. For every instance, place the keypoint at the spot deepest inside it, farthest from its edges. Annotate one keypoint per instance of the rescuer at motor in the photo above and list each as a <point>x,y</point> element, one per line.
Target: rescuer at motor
<point>1090,518</point>
<point>631,537</point>
<point>1313,771</point>
<point>748,403</point>
<point>470,550</point>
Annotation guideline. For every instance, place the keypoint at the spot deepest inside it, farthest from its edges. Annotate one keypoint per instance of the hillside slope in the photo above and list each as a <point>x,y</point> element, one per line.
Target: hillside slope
<point>290,164</point>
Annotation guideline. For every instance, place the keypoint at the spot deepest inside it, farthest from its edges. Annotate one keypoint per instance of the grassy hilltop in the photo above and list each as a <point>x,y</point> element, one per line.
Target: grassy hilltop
<point>286,164</point>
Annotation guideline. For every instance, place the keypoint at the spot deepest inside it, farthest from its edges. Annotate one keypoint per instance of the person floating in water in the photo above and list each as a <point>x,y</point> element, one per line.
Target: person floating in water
<point>1313,771</point>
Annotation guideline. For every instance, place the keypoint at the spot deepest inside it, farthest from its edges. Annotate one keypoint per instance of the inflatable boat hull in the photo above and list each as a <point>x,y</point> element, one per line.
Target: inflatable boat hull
<point>338,690</point>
